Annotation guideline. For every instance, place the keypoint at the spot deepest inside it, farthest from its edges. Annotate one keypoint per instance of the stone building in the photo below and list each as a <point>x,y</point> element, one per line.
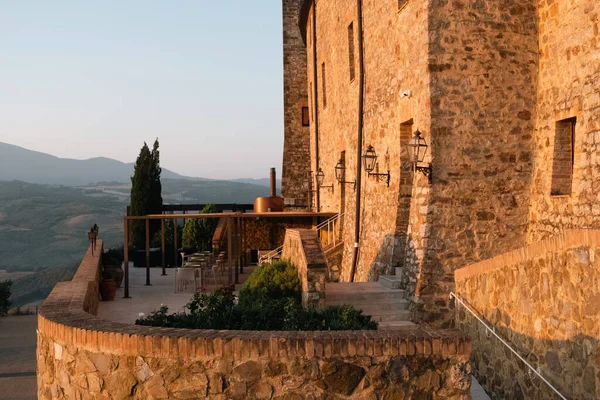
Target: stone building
<point>506,95</point>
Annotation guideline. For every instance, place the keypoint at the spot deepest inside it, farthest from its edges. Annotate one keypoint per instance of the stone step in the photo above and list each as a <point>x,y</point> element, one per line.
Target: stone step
<point>364,296</point>
<point>396,325</point>
<point>386,305</point>
<point>399,271</point>
<point>398,316</point>
<point>390,281</point>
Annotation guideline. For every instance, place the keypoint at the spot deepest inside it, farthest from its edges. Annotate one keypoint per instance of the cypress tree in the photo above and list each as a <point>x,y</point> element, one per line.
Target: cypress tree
<point>155,201</point>
<point>146,193</point>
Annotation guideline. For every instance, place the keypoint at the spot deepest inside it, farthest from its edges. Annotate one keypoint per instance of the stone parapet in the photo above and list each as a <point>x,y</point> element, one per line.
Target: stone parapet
<point>544,300</point>
<point>82,356</point>
<point>302,248</point>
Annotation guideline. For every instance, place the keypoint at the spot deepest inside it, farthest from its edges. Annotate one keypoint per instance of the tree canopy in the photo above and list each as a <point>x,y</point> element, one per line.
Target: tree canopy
<point>4,296</point>
<point>146,192</point>
<point>198,232</point>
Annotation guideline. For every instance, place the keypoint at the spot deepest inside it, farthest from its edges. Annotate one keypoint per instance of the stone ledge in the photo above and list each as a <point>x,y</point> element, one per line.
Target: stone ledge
<point>67,317</point>
<point>567,240</point>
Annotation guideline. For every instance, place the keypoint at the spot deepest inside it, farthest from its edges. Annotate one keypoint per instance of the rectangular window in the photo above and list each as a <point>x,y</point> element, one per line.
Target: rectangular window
<point>401,4</point>
<point>351,51</point>
<point>323,85</point>
<point>564,157</point>
<point>305,117</point>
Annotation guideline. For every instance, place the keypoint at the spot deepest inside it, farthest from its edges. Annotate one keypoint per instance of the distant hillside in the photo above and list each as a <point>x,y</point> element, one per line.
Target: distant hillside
<point>259,181</point>
<point>44,226</point>
<point>20,164</point>
<point>35,167</point>
<point>38,286</point>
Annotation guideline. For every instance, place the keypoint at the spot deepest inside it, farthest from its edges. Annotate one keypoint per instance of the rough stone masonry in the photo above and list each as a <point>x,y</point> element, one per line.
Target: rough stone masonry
<point>488,83</point>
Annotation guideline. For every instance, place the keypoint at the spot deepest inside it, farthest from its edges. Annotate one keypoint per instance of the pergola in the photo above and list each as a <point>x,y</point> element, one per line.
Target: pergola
<point>236,237</point>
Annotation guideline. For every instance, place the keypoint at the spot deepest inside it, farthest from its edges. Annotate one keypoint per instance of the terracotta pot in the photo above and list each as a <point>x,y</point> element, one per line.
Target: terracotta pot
<point>116,273</point>
<point>108,289</point>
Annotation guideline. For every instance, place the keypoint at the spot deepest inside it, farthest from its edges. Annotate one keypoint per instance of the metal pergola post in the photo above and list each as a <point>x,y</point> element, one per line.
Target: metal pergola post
<point>162,247</point>
<point>126,256</point>
<point>148,252</point>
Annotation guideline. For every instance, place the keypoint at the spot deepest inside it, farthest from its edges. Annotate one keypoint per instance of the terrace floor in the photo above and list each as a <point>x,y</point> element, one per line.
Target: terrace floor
<point>145,299</point>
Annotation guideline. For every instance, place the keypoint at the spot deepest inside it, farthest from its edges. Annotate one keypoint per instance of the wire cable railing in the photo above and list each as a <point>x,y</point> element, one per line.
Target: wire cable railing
<point>493,332</point>
<point>330,224</point>
<point>330,227</point>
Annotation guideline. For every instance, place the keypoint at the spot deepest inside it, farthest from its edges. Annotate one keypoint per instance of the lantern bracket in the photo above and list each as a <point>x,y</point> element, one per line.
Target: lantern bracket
<point>353,183</point>
<point>425,171</point>
<point>382,177</point>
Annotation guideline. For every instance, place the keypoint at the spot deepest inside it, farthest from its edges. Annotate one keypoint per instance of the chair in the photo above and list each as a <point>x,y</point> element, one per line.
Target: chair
<point>185,277</point>
<point>220,265</point>
<point>210,273</point>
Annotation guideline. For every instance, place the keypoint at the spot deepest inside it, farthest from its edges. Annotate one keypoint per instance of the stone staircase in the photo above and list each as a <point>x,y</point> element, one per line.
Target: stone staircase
<point>384,301</point>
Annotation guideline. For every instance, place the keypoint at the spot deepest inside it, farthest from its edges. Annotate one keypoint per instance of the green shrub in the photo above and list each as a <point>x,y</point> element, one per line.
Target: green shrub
<point>269,300</point>
<point>4,296</point>
<point>278,280</point>
<point>113,256</point>
<point>198,232</point>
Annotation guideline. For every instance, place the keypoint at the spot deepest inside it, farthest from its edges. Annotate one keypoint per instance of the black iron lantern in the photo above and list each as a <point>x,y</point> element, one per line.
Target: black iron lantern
<point>305,181</point>
<point>340,168</point>
<point>92,238</point>
<point>320,177</point>
<point>340,171</point>
<point>369,163</point>
<point>369,159</point>
<point>417,148</point>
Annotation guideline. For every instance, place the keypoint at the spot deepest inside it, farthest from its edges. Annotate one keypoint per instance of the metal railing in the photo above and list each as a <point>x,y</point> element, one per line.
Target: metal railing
<point>330,226</point>
<point>493,332</point>
<point>268,258</point>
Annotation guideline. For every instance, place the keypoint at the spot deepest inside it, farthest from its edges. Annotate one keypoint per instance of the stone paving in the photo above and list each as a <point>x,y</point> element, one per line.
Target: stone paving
<point>149,298</point>
<point>145,299</point>
<point>17,357</point>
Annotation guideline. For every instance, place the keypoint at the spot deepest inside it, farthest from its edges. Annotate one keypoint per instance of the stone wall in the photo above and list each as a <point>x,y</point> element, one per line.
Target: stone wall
<point>395,60</point>
<point>302,248</point>
<point>471,71</point>
<point>483,60</point>
<point>544,300</point>
<point>569,72</point>
<point>268,234</point>
<point>81,356</point>
<point>296,155</point>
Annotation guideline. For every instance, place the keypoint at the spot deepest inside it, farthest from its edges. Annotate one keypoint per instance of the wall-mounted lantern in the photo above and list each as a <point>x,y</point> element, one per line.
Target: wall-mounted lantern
<point>340,172</point>
<point>369,162</point>
<point>417,147</point>
<point>321,178</point>
<point>92,238</point>
<point>306,182</point>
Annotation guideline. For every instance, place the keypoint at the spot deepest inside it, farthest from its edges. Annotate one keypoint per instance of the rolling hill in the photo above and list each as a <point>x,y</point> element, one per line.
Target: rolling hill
<point>41,168</point>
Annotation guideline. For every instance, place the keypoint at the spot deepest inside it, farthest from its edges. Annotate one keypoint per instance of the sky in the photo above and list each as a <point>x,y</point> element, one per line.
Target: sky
<point>83,79</point>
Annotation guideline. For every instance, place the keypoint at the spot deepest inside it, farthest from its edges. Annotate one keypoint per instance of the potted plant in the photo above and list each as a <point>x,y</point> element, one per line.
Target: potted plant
<point>108,287</point>
<point>112,265</point>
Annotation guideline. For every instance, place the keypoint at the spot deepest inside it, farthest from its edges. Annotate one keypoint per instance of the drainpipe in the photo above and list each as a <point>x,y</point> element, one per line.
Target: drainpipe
<point>316,97</point>
<point>359,145</point>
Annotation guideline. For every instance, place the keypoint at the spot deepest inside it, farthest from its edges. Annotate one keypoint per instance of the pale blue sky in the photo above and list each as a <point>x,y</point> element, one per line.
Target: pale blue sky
<point>83,79</point>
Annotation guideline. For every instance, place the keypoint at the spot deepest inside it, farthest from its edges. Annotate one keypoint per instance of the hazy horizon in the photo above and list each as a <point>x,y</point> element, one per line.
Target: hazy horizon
<point>97,80</point>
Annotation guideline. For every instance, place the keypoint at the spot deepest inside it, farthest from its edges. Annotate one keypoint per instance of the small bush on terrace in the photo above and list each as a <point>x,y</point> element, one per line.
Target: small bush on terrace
<point>278,280</point>
<point>269,300</point>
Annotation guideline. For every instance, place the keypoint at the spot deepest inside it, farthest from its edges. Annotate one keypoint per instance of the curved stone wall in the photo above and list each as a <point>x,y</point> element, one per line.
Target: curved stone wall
<point>82,356</point>
<point>544,300</point>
